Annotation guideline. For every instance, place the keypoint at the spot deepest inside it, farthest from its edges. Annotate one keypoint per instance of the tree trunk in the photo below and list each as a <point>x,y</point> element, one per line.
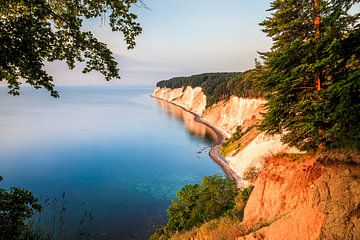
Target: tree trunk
<point>317,21</point>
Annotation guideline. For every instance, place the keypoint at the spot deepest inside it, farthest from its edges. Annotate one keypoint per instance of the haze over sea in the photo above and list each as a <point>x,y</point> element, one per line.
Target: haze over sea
<point>112,156</point>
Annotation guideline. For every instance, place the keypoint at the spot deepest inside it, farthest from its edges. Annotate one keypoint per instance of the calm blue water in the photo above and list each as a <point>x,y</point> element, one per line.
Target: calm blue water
<point>116,154</point>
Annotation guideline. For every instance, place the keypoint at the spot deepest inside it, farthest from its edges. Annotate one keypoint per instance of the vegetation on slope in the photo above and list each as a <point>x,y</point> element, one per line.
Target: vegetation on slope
<point>220,86</point>
<point>238,140</point>
<point>227,226</point>
<point>232,143</point>
<point>196,204</point>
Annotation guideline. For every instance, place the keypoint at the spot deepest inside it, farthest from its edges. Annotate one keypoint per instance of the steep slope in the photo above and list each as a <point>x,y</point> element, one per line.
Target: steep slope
<point>192,99</point>
<point>228,114</point>
<point>296,198</point>
<point>306,199</point>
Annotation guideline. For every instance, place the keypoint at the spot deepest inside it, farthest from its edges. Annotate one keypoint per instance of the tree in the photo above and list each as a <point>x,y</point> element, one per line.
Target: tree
<point>35,31</point>
<point>309,116</point>
<point>16,206</point>
<point>317,24</point>
<point>197,203</point>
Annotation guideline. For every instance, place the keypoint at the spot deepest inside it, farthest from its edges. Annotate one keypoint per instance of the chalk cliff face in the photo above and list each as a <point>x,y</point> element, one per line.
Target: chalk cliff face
<point>192,99</point>
<point>227,116</point>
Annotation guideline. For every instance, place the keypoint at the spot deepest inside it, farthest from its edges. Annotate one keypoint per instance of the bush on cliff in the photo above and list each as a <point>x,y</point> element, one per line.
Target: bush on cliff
<point>197,203</point>
<point>227,226</point>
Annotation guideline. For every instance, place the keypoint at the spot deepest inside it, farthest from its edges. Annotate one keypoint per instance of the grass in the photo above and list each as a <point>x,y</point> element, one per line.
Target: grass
<point>234,145</point>
<point>229,147</point>
<point>223,228</point>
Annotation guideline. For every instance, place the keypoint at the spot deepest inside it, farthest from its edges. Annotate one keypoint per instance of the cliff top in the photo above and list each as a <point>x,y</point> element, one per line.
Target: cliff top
<point>219,86</point>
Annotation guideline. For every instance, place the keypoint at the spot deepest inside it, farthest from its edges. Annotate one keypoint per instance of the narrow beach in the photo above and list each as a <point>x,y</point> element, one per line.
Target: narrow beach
<point>214,150</point>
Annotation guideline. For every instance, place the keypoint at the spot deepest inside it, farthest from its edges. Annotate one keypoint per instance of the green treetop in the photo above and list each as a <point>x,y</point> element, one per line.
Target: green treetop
<point>35,31</point>
<point>306,52</point>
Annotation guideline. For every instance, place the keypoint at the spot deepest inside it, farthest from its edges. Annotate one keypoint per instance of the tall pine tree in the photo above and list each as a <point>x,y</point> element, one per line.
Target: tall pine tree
<point>306,114</point>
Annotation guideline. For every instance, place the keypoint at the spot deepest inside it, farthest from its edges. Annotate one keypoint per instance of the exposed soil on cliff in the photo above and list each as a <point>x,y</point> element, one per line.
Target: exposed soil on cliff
<point>310,197</point>
<point>296,197</point>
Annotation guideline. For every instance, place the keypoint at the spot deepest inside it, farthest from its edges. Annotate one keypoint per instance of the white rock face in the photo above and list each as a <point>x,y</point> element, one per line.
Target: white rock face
<point>192,99</point>
<point>167,94</point>
<point>226,116</point>
<point>235,111</point>
<point>252,155</point>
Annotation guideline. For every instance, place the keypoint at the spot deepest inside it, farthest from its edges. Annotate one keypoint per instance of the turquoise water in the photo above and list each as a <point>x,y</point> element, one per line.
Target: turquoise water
<point>113,157</point>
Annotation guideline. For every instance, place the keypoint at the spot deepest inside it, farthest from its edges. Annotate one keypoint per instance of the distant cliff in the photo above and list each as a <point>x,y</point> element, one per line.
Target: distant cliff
<point>227,115</point>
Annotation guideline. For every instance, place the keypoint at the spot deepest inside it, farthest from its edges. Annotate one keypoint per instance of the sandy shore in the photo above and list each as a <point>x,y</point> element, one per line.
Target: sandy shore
<point>214,150</point>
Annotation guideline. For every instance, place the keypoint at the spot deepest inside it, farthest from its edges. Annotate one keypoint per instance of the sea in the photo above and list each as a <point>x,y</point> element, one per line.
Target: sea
<point>105,162</point>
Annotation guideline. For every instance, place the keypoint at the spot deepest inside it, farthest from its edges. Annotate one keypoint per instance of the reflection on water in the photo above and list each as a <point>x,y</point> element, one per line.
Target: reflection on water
<point>192,126</point>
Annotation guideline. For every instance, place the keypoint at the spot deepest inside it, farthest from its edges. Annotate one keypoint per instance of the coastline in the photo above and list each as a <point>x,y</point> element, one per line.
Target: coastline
<point>214,149</point>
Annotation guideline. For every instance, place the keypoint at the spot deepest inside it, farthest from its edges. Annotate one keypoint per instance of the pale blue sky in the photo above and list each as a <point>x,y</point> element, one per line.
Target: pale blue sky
<point>182,37</point>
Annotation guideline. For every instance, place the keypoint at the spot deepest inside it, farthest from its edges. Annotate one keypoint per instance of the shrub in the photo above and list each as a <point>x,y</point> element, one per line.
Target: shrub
<point>198,203</point>
<point>228,226</point>
<point>16,206</point>
<point>251,173</point>
<point>231,144</point>
<point>240,202</point>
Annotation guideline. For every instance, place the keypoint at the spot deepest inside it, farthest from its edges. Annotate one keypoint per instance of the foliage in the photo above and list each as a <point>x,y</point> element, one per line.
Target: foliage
<point>195,204</point>
<point>213,84</point>
<point>198,203</point>
<point>245,192</point>
<point>308,118</point>
<point>238,133</point>
<point>234,144</point>
<point>223,228</point>
<point>251,173</point>
<point>240,202</point>
<point>248,84</point>
<point>35,31</point>
<point>227,226</point>
<point>228,145</point>
<point>220,86</point>
<point>16,206</point>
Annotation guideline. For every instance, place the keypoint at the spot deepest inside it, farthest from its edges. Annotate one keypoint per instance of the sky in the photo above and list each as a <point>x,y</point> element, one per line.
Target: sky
<point>180,38</point>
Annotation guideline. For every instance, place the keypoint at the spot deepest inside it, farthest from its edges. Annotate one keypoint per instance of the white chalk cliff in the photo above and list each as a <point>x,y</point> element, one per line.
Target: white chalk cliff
<point>226,116</point>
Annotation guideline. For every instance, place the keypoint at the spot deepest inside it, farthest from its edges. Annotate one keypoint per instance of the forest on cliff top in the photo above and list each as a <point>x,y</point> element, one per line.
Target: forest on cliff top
<point>220,86</point>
